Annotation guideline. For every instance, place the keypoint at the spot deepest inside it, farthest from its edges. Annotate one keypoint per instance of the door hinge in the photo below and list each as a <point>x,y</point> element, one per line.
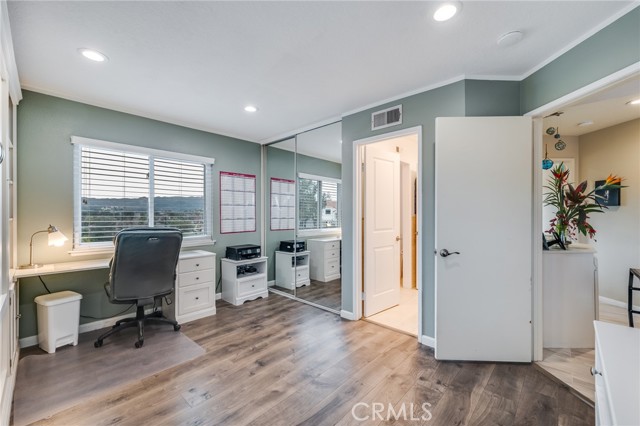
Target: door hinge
<point>362,167</point>
<point>397,149</point>
<point>363,295</point>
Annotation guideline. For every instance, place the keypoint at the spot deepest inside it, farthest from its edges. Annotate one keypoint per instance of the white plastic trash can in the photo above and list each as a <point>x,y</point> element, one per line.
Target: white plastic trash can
<point>58,319</point>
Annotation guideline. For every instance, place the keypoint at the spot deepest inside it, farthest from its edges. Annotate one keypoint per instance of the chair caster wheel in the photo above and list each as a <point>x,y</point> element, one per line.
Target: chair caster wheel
<point>177,327</point>
<point>139,343</point>
<point>97,343</point>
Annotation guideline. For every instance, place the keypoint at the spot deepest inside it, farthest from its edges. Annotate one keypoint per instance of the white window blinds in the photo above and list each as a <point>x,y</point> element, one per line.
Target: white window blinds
<point>117,189</point>
<point>114,194</point>
<point>318,203</point>
<point>179,196</point>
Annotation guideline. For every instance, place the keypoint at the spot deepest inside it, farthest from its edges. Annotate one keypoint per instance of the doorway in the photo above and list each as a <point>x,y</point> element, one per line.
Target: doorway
<point>605,142</point>
<point>388,210</point>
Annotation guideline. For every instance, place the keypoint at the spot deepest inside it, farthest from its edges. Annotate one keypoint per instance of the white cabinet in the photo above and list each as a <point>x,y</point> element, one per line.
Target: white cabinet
<point>292,269</point>
<point>570,295</point>
<point>324,261</point>
<point>617,374</point>
<point>194,296</point>
<point>244,280</point>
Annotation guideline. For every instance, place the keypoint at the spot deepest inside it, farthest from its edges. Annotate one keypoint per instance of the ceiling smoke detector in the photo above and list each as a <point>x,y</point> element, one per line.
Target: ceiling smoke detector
<point>510,38</point>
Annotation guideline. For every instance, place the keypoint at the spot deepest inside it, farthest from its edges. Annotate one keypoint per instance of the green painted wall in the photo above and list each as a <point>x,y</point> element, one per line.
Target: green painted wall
<point>45,185</point>
<point>316,166</point>
<point>474,98</point>
<point>281,164</point>
<point>609,50</point>
<point>491,98</point>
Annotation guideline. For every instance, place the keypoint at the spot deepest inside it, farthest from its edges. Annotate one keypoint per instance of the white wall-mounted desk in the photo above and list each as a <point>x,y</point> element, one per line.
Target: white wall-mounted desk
<point>192,301</point>
<point>60,268</point>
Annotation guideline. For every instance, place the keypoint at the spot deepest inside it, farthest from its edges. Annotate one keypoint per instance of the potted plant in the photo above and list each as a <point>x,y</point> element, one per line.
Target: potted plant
<point>573,205</point>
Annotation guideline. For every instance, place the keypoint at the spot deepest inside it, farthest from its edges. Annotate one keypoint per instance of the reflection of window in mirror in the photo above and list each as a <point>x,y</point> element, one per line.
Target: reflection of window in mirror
<point>319,203</point>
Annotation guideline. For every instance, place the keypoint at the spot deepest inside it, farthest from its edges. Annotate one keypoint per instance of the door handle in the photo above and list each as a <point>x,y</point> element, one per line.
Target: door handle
<point>398,238</point>
<point>445,252</point>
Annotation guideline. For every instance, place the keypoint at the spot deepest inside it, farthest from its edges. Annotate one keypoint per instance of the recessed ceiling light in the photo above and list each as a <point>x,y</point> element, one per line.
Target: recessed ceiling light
<point>585,123</point>
<point>634,102</point>
<point>250,108</point>
<point>94,55</point>
<point>446,11</point>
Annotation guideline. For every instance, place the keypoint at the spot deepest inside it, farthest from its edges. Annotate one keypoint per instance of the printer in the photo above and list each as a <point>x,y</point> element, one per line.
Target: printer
<point>292,246</point>
<point>243,252</point>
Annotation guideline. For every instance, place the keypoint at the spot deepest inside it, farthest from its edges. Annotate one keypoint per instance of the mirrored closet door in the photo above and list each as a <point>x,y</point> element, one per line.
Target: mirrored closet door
<point>280,217</point>
<point>306,262</point>
<point>319,219</point>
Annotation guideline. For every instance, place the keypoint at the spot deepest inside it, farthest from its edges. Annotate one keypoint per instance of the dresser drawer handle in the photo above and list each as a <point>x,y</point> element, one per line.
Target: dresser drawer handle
<point>197,278</point>
<point>197,264</point>
<point>197,298</point>
<point>595,372</point>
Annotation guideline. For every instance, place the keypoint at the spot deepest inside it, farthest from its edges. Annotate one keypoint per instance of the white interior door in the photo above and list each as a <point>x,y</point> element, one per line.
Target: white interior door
<point>484,212</point>
<point>381,230</point>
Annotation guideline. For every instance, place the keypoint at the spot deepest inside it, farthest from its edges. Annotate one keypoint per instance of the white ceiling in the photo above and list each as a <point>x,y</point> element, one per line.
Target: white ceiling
<point>324,143</point>
<point>604,108</point>
<point>302,63</point>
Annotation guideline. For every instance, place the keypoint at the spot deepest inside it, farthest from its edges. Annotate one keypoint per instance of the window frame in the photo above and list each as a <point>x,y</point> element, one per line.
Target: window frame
<point>317,231</point>
<point>152,154</point>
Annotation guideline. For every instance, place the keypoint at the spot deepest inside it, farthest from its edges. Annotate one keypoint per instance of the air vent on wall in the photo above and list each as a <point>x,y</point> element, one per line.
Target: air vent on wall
<point>387,117</point>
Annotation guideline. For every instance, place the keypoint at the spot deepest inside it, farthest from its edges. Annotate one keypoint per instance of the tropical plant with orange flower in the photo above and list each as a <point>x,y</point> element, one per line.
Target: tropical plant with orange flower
<point>573,204</point>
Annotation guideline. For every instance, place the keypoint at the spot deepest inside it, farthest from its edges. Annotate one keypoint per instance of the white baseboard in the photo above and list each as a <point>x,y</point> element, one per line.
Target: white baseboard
<point>271,283</point>
<point>428,341</point>
<point>617,303</point>
<point>218,296</point>
<point>347,315</point>
<point>85,328</point>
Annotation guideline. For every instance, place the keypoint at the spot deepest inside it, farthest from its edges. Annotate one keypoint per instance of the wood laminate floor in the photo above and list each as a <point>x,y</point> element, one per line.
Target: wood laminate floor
<point>326,294</point>
<point>276,361</point>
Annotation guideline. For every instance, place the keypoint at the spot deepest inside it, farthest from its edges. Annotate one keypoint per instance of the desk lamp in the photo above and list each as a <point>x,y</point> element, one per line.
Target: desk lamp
<point>56,238</point>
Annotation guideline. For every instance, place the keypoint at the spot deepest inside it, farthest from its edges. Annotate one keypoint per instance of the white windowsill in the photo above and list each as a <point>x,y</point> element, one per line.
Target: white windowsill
<point>102,251</point>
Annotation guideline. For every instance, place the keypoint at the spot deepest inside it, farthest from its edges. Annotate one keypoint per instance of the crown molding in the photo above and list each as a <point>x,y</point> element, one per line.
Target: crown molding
<point>581,39</point>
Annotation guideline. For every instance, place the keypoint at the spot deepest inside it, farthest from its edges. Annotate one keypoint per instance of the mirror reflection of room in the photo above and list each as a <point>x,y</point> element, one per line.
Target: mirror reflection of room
<point>280,214</point>
<point>319,218</point>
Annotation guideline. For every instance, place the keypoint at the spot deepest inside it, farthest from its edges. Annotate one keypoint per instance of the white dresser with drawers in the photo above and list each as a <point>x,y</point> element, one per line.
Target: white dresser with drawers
<point>244,280</point>
<point>617,374</point>
<point>324,258</point>
<point>292,269</point>
<point>194,296</point>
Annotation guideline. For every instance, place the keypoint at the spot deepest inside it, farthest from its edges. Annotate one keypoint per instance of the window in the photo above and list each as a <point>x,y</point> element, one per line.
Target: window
<point>318,203</point>
<point>119,186</point>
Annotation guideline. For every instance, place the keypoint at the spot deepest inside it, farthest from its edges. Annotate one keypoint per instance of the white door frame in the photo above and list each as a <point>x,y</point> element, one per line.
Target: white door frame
<point>357,215</point>
<point>537,115</point>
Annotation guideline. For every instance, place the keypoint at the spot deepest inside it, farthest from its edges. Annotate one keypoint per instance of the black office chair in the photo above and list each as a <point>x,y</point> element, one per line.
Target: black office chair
<point>142,271</point>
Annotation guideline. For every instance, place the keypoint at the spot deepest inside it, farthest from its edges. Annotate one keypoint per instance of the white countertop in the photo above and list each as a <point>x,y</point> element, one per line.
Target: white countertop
<point>574,248</point>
